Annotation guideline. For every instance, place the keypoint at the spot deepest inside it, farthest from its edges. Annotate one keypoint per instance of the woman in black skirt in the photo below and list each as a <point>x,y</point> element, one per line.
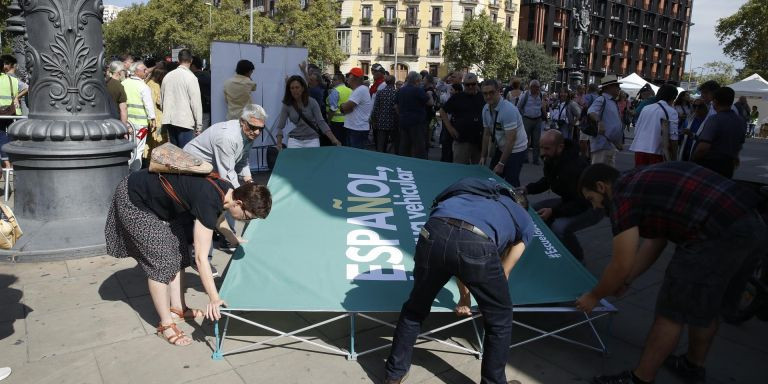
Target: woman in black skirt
<point>155,218</point>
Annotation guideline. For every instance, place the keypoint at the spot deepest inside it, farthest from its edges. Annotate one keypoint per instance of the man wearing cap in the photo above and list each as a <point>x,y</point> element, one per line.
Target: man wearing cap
<point>357,110</point>
<point>605,112</point>
<point>378,79</point>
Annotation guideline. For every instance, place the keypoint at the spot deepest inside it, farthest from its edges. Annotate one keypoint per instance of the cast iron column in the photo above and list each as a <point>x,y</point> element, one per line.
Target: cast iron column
<point>70,154</point>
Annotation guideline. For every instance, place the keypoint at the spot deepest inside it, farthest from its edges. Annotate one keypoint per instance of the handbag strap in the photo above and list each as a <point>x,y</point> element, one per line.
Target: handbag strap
<point>10,85</point>
<point>306,120</point>
<point>8,213</point>
<point>168,188</point>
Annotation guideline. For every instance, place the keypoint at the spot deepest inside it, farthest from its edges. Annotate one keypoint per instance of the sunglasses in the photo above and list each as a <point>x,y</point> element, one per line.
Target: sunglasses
<point>255,128</point>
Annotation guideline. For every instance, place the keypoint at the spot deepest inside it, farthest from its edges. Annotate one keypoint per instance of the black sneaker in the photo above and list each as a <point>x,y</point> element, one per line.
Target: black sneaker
<point>690,373</point>
<point>625,377</point>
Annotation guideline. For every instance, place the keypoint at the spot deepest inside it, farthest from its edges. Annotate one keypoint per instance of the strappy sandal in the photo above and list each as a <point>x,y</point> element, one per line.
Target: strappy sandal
<point>186,314</point>
<point>172,339</point>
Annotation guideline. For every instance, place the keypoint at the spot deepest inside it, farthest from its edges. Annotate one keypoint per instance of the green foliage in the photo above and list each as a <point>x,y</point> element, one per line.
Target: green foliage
<point>535,62</point>
<point>153,29</point>
<point>744,36</point>
<point>481,42</point>
<point>722,72</point>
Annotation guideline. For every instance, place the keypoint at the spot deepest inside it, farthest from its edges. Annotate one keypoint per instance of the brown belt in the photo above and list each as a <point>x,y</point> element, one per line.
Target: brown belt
<point>464,225</point>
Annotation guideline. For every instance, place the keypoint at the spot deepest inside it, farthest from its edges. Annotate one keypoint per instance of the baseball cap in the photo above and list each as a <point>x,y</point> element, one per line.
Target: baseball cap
<point>357,72</point>
<point>377,68</point>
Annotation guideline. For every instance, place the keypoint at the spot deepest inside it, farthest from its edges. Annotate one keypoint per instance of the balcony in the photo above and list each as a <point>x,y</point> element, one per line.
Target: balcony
<point>387,23</point>
<point>345,23</point>
<point>365,21</point>
<point>436,23</point>
<point>364,51</point>
<point>456,24</point>
<point>411,52</point>
<point>386,51</point>
<point>412,23</point>
<point>468,1</point>
<point>494,4</point>
<point>433,52</point>
<point>510,6</point>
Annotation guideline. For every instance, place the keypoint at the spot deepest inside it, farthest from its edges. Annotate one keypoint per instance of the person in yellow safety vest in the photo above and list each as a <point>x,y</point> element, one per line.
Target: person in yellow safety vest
<point>141,110</point>
<point>11,91</point>
<point>338,95</point>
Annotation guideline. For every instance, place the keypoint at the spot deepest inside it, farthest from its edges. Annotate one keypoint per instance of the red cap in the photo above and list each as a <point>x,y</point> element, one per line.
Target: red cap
<point>357,72</point>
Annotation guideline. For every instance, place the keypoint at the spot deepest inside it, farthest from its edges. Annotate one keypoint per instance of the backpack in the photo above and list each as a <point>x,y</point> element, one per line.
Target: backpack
<point>487,188</point>
<point>587,125</point>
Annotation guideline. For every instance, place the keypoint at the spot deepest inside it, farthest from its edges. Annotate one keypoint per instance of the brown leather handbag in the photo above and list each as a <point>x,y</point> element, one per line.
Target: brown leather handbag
<point>169,158</point>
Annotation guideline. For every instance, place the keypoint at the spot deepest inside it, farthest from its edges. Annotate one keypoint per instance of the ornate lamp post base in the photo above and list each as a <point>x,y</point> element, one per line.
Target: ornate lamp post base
<point>70,154</point>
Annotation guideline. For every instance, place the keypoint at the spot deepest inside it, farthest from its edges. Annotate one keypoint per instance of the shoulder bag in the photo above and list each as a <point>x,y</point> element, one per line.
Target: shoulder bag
<point>9,110</point>
<point>9,228</point>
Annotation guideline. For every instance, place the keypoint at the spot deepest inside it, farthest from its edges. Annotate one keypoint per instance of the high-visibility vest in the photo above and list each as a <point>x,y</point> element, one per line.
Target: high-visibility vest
<point>8,90</point>
<point>344,94</point>
<point>136,112</point>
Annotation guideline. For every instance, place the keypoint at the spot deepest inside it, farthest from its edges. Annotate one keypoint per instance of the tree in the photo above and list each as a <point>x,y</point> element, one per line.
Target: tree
<point>745,36</point>
<point>481,42</point>
<point>722,72</point>
<point>313,27</point>
<point>535,62</point>
<point>153,29</point>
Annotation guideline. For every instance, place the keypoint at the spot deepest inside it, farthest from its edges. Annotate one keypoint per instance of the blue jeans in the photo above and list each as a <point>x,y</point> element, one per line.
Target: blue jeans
<point>179,136</point>
<point>512,166</point>
<point>357,139</point>
<point>452,251</point>
<point>565,227</point>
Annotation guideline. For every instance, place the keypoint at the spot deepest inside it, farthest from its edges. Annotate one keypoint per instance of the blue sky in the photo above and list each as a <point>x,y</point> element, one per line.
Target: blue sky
<point>702,43</point>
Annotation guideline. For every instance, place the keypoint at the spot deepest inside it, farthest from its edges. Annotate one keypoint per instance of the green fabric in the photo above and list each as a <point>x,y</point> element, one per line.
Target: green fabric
<point>297,259</point>
<point>135,105</point>
<point>344,94</point>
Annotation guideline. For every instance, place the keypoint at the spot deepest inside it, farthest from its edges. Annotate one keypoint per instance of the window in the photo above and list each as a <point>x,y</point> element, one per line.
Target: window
<point>508,24</point>
<point>411,15</point>
<point>437,16</point>
<point>389,13</point>
<point>494,17</point>
<point>365,66</point>
<point>367,12</point>
<point>342,37</point>
<point>389,43</point>
<point>410,44</point>
<point>434,44</point>
<point>433,67</point>
<point>468,13</point>
<point>365,42</point>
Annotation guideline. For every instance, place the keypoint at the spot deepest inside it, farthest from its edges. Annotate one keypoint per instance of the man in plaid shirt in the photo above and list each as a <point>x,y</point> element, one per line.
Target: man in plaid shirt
<point>718,235</point>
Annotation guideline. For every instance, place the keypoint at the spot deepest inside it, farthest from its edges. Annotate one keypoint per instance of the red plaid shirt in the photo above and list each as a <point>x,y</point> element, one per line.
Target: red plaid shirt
<point>679,201</point>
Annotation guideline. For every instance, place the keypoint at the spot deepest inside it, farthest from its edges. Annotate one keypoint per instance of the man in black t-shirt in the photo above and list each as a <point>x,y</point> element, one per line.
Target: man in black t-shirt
<point>465,123</point>
<point>722,136</point>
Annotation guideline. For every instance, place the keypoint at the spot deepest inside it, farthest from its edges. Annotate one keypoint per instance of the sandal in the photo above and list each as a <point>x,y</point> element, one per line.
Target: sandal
<point>186,314</point>
<point>178,335</point>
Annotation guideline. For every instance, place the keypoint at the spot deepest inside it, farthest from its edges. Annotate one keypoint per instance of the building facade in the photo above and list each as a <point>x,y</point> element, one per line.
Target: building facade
<point>647,37</point>
<point>110,12</point>
<point>410,32</point>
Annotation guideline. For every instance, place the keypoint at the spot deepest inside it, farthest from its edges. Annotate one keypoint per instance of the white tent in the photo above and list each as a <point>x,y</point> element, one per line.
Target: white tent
<point>755,89</point>
<point>632,84</point>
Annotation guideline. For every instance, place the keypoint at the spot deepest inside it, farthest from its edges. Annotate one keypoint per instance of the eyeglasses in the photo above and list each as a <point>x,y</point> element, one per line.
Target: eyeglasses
<point>247,216</point>
<point>470,84</point>
<point>255,128</point>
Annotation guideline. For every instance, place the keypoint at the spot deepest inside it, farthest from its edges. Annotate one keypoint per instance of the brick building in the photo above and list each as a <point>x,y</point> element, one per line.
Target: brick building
<point>649,37</point>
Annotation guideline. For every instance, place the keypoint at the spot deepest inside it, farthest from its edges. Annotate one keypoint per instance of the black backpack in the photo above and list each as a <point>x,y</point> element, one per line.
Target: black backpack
<point>488,188</point>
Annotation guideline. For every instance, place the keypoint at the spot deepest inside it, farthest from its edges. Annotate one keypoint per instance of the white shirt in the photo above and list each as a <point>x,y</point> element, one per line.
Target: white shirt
<point>357,120</point>
<point>509,119</point>
<point>560,112</point>
<point>648,128</point>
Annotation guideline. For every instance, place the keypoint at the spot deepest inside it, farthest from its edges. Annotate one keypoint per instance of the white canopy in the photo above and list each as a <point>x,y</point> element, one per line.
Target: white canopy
<point>632,84</point>
<point>754,86</point>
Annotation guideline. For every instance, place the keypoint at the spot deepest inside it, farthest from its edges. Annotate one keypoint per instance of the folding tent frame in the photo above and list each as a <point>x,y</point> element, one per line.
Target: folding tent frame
<point>603,310</point>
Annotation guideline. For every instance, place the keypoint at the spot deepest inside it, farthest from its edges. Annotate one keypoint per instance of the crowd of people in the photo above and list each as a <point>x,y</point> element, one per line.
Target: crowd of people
<point>681,190</point>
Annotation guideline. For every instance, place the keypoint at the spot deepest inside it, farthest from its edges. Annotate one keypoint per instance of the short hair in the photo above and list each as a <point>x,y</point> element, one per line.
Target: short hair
<point>592,88</point>
<point>709,86</point>
<point>288,99</point>
<point>135,66</point>
<point>253,111</point>
<point>534,82</point>
<point>158,74</point>
<point>597,172</point>
<point>470,77</point>
<point>413,77</point>
<point>667,92</point>
<point>429,79</point>
<point>256,199</point>
<point>185,56</point>
<point>339,77</point>
<point>243,67</point>
<point>490,82</point>
<point>557,136</point>
<point>724,96</point>
<point>389,79</point>
<point>197,62</point>
<point>116,67</point>
<point>150,62</point>
<point>8,59</point>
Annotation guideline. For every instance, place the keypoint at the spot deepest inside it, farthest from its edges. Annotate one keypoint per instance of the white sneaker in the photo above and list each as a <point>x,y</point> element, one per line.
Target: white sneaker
<point>4,372</point>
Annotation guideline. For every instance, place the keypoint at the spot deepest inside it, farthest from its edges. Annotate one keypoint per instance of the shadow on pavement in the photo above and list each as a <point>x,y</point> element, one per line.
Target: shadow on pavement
<point>10,301</point>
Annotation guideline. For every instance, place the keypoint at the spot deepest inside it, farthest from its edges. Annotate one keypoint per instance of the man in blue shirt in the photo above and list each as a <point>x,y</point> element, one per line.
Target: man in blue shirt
<point>478,240</point>
<point>605,112</point>
<point>533,108</point>
<point>722,136</point>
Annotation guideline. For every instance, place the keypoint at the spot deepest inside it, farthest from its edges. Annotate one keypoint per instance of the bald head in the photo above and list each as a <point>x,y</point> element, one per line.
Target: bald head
<point>551,144</point>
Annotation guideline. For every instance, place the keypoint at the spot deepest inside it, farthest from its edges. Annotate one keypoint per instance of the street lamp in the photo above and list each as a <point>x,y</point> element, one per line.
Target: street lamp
<point>210,13</point>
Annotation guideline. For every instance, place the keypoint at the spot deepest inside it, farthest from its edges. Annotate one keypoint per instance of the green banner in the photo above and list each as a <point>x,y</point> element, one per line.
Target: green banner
<point>342,232</point>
